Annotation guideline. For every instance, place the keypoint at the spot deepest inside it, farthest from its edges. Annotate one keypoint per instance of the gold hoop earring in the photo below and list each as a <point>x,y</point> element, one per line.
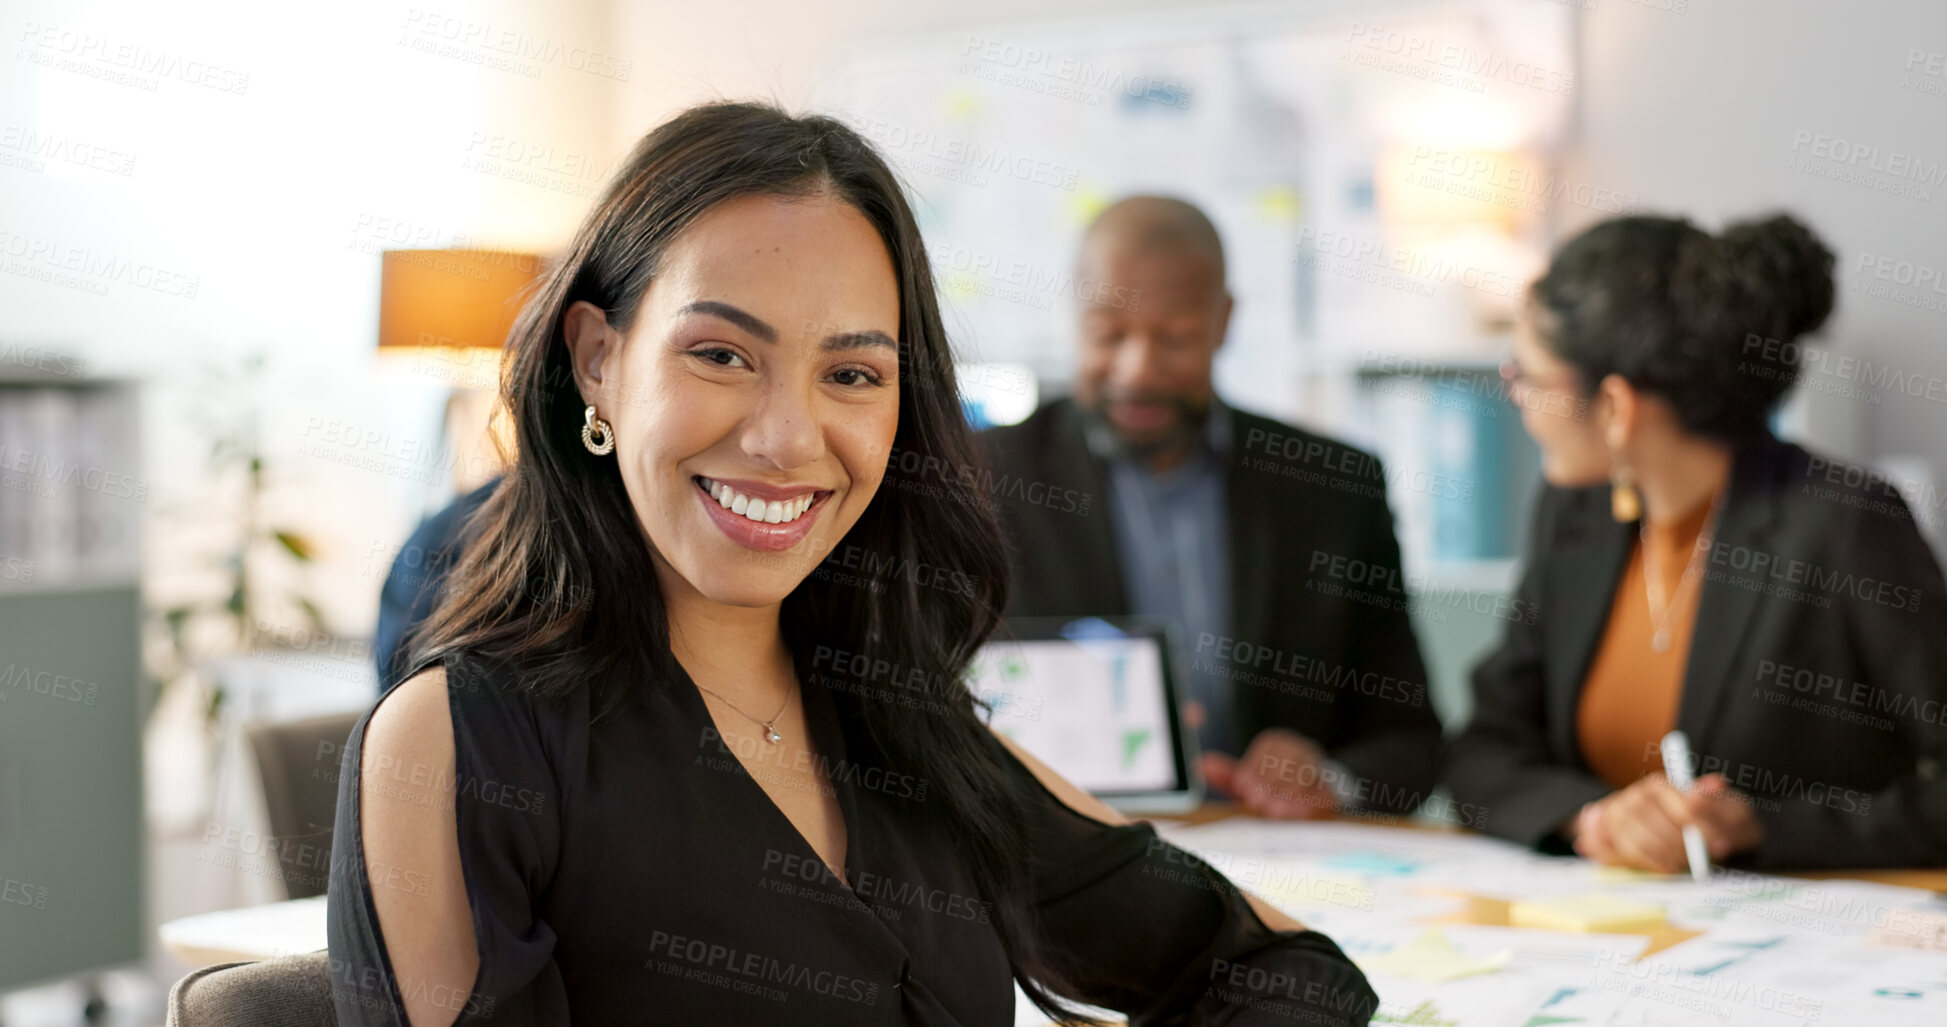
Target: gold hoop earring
<point>591,426</point>
<point>1625,503</point>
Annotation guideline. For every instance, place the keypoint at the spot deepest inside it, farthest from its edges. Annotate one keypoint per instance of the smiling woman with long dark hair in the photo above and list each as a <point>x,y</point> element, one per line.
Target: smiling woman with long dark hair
<point>629,781</point>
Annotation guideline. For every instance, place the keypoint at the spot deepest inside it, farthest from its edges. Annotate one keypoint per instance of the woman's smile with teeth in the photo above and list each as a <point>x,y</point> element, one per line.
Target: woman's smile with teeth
<point>781,511</point>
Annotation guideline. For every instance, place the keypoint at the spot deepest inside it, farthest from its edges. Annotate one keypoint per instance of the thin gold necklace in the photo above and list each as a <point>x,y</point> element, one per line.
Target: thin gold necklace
<point>770,726</point>
<point>1653,577</point>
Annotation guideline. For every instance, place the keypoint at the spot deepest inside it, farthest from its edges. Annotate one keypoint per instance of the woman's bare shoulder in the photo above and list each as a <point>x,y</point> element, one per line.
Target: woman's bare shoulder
<point>414,719</point>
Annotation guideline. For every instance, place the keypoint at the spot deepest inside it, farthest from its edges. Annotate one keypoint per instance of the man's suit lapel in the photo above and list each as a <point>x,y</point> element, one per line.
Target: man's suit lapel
<point>1263,523</point>
<point>1088,540</point>
<point>1249,497</point>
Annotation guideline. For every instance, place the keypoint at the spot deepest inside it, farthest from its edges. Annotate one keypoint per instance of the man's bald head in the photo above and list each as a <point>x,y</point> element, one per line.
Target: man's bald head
<point>1154,228</point>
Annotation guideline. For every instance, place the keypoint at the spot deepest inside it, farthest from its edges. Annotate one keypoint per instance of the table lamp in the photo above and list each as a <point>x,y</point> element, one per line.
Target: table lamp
<point>449,312</point>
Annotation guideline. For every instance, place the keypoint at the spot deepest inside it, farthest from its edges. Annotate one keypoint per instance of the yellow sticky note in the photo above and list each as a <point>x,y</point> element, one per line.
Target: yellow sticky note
<point>1432,958</point>
<point>1301,889</point>
<point>1278,204</point>
<point>1593,912</point>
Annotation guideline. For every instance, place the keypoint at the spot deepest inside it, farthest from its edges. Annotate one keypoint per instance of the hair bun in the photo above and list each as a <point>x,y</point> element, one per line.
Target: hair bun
<point>1787,270</point>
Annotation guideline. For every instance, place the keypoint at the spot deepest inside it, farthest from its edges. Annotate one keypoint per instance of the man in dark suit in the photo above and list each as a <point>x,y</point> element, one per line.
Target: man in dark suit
<point>1272,546</point>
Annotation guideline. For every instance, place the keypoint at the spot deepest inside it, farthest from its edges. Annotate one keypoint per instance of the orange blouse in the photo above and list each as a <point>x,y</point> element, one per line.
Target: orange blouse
<point>1629,700</point>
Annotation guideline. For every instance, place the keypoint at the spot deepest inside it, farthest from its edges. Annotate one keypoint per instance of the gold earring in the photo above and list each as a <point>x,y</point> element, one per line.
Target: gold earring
<point>591,426</point>
<point>1625,503</point>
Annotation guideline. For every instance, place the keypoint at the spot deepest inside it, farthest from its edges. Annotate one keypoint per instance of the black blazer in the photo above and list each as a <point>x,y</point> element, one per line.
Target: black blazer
<point>1816,680</point>
<point>1309,649</point>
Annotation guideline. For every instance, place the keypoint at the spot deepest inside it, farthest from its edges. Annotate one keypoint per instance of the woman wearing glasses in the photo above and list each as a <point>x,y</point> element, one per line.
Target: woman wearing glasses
<point>626,783</point>
<point>1691,571</point>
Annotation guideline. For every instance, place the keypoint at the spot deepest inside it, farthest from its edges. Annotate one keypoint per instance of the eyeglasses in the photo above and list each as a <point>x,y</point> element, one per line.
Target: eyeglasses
<point>1519,381</point>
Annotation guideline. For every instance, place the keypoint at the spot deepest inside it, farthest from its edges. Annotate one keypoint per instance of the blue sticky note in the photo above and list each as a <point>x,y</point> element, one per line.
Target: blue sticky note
<point>1374,863</point>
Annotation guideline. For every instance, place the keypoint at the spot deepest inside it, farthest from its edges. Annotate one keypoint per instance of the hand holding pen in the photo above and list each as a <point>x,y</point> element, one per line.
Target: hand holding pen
<point>1676,770</point>
<point>1642,826</point>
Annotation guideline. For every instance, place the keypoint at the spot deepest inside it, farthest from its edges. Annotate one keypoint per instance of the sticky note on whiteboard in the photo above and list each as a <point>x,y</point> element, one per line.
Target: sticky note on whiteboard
<point>1592,912</point>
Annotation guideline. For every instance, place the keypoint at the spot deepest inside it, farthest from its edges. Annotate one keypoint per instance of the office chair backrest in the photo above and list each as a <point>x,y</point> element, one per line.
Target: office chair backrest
<point>291,991</point>
<point>299,761</point>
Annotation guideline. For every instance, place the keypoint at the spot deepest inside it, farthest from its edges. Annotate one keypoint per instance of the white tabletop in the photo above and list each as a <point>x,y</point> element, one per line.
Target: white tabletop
<point>250,933</point>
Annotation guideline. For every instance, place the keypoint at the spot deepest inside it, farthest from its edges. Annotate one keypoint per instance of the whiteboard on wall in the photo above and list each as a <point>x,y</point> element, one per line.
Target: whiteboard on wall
<point>1274,120</point>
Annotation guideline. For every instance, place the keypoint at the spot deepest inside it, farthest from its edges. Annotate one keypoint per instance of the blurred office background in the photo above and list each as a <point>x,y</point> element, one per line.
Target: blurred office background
<point>223,406</point>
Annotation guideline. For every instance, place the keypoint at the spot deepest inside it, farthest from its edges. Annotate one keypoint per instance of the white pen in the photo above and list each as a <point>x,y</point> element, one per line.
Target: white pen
<point>1676,768</point>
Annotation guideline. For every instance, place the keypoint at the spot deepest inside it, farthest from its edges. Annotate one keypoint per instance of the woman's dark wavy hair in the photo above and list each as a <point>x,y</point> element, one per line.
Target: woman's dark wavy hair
<point>560,532</point>
<point>1709,323</point>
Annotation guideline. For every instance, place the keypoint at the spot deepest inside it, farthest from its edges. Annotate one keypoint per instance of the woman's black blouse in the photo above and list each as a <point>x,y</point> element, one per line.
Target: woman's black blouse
<point>632,871</point>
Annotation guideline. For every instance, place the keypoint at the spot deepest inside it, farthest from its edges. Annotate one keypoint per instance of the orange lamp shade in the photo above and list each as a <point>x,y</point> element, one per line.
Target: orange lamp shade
<point>456,299</point>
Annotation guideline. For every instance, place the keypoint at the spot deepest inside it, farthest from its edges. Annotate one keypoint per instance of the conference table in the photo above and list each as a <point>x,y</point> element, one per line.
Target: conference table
<point>1457,929</point>
<point>1929,879</point>
<point>297,926</point>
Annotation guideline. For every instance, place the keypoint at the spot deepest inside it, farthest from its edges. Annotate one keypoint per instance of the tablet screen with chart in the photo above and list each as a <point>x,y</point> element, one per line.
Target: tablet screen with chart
<point>1096,709</point>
